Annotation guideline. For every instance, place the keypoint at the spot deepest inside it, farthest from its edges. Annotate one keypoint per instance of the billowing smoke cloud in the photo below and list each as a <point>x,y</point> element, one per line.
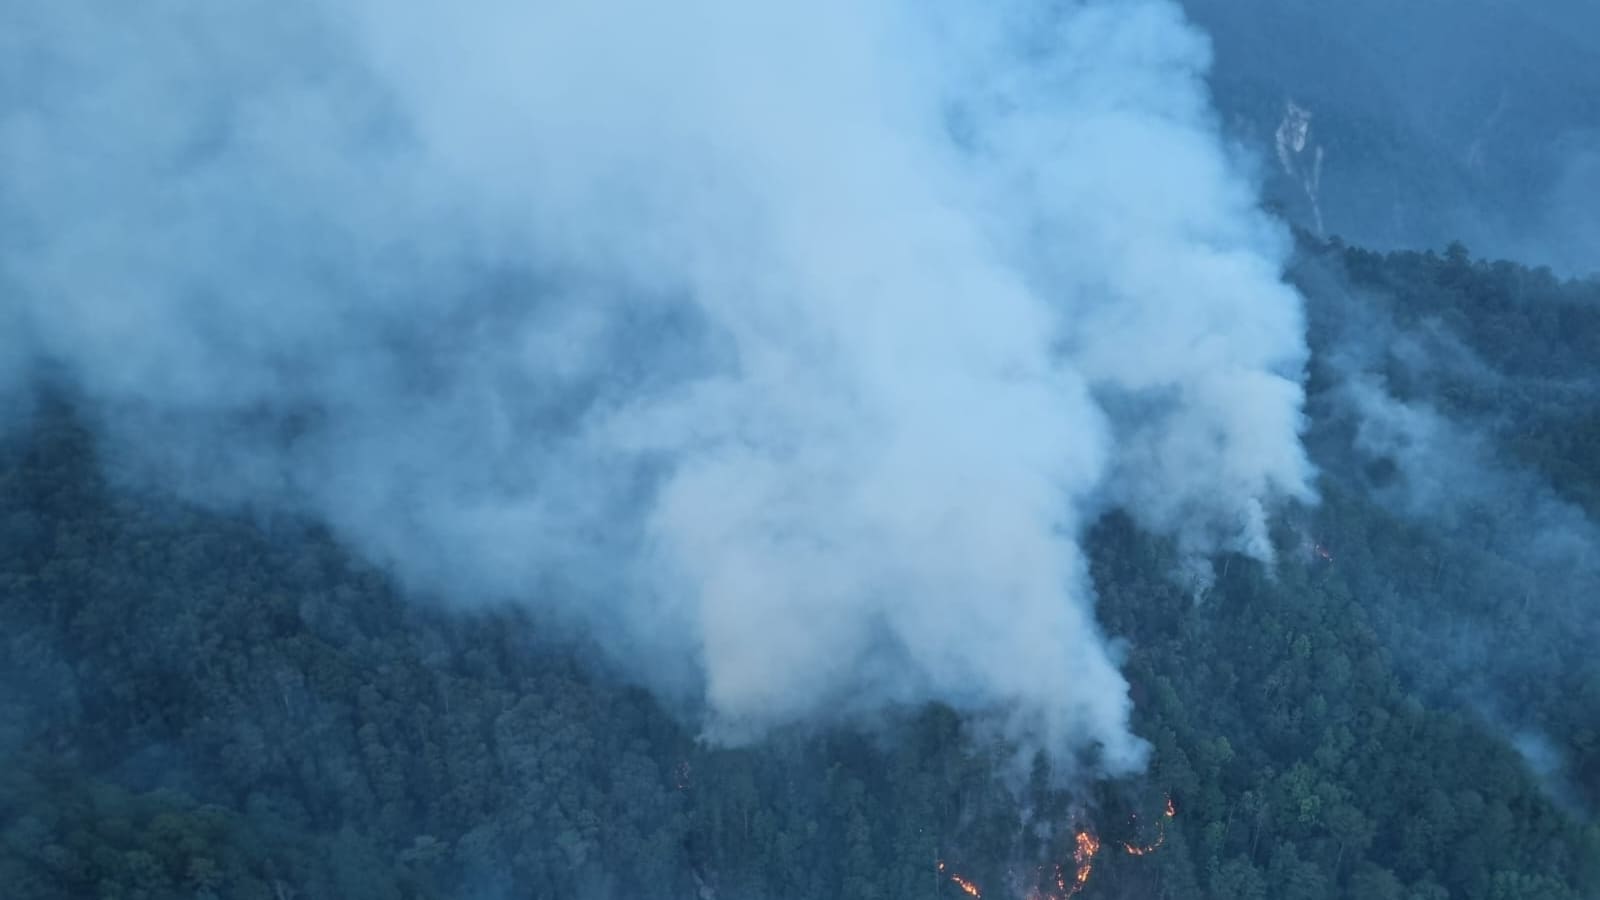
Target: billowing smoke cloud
<point>788,348</point>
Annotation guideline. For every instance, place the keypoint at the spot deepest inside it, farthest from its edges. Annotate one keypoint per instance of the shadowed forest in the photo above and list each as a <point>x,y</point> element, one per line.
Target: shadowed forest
<point>1403,706</point>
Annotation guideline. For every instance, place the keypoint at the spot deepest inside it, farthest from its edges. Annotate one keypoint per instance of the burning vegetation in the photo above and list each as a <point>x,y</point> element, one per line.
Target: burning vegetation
<point>965,884</point>
<point>1161,833</point>
<point>1086,846</point>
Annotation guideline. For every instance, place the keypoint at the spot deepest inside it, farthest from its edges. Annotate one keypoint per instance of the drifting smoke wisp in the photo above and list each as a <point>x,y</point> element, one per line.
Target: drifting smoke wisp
<point>1487,587</point>
<point>788,347</point>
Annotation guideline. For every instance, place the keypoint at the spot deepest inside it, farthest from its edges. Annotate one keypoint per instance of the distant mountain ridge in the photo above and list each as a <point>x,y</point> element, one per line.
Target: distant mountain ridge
<point>1476,121</point>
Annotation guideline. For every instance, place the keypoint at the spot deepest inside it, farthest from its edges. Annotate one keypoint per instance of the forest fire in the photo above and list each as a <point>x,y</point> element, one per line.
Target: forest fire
<point>967,885</point>
<point>1086,845</point>
<point>1137,850</point>
<point>1167,814</point>
<point>1085,848</point>
<point>1083,854</point>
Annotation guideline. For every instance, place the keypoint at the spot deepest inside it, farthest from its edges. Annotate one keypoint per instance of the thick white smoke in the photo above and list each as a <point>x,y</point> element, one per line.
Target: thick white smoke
<point>788,346</point>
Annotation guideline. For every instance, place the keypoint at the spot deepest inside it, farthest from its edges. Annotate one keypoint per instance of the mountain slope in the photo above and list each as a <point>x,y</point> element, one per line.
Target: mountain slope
<point>202,705</point>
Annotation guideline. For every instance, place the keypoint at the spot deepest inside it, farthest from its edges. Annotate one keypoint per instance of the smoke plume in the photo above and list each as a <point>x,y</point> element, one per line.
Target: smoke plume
<point>787,348</point>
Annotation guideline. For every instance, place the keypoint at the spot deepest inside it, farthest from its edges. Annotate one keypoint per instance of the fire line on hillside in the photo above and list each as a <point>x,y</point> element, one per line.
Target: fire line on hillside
<point>1086,847</point>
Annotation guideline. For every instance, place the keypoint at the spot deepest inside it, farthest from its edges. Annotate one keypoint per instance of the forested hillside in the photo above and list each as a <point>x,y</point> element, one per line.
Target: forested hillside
<point>205,705</point>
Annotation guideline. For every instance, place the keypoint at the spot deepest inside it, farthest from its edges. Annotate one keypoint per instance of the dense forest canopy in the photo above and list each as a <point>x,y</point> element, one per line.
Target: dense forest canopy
<point>200,704</point>
<point>860,450</point>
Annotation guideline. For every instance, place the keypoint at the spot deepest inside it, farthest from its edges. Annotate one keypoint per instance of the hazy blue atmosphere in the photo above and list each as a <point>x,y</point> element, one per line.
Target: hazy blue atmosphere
<point>1435,120</point>
<point>870,450</point>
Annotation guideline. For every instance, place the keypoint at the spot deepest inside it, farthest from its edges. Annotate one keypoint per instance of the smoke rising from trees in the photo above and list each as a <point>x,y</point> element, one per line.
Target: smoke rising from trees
<point>786,349</point>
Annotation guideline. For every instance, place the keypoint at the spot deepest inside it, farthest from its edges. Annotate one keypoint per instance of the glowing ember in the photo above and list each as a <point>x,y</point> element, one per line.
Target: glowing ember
<point>1087,846</point>
<point>1134,850</point>
<point>967,885</point>
<point>1161,832</point>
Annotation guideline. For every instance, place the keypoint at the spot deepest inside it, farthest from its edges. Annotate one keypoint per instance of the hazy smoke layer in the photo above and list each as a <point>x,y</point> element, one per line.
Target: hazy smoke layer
<point>1486,596</point>
<point>788,346</point>
<point>1471,120</point>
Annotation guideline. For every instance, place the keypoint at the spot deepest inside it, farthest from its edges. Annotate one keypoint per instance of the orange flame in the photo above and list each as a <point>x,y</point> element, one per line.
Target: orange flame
<point>1161,832</point>
<point>1135,850</point>
<point>967,885</point>
<point>1087,847</point>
